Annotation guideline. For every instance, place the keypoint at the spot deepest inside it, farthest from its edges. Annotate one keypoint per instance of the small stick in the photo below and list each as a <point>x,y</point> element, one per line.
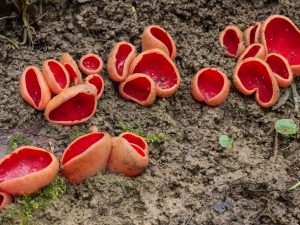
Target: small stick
<point>283,99</point>
<point>12,42</point>
<point>296,96</point>
<point>275,147</point>
<point>7,17</point>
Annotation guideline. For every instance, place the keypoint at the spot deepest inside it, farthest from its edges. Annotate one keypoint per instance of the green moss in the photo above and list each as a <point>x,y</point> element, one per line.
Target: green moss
<point>16,141</point>
<point>150,138</point>
<point>76,133</point>
<point>22,210</point>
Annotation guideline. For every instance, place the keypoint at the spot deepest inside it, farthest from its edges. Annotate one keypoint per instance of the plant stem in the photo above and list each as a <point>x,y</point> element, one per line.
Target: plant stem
<point>11,41</point>
<point>295,186</point>
<point>296,96</point>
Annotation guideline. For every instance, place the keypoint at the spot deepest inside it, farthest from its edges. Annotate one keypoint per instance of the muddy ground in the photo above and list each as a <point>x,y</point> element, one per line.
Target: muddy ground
<point>190,174</point>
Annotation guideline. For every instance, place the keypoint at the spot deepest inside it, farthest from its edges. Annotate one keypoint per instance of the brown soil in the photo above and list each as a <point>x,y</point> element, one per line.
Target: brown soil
<point>191,179</point>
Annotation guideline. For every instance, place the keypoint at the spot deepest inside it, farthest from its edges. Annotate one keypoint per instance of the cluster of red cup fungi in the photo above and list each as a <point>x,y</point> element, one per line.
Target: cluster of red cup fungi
<point>28,169</point>
<point>60,90</point>
<point>268,57</point>
<point>152,73</point>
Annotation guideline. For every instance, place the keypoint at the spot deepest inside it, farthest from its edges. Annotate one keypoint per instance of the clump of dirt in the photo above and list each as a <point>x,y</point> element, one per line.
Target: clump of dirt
<point>189,172</point>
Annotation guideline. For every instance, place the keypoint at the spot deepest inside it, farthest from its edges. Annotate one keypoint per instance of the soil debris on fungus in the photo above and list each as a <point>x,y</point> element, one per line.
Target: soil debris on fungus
<point>189,172</point>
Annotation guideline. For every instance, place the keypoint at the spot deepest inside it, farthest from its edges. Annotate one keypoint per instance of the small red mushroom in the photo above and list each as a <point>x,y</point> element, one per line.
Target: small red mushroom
<point>156,37</point>
<point>70,64</point>
<point>55,75</point>
<point>127,158</point>
<point>254,50</point>
<point>5,199</point>
<point>281,69</point>
<point>211,86</point>
<point>97,82</point>
<point>252,34</point>
<point>34,88</point>
<point>137,140</point>
<point>72,106</point>
<point>159,66</point>
<point>280,35</point>
<point>231,38</point>
<point>140,88</point>
<point>253,75</point>
<point>26,170</point>
<point>85,156</point>
<point>119,61</point>
<point>91,64</point>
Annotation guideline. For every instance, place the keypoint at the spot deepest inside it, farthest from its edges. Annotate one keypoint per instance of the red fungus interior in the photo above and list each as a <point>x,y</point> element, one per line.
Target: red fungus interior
<point>123,52</point>
<point>252,52</point>
<point>138,150</point>
<point>278,66</point>
<point>59,74</point>
<point>254,75</point>
<point>231,41</point>
<point>33,86</point>
<point>282,38</point>
<point>163,37</point>
<point>77,107</point>
<point>1,199</point>
<point>253,34</point>
<point>23,163</point>
<point>91,62</point>
<point>132,139</point>
<point>81,145</point>
<point>158,68</point>
<point>210,83</point>
<point>138,88</point>
<point>71,71</point>
<point>97,82</point>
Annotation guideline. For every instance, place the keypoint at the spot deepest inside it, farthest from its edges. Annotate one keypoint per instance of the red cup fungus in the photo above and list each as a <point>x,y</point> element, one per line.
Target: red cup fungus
<point>254,50</point>
<point>281,69</point>
<point>156,37</point>
<point>252,34</point>
<point>140,88</point>
<point>85,156</point>
<point>136,140</point>
<point>231,38</point>
<point>280,35</point>
<point>159,66</point>
<point>70,64</point>
<point>96,81</point>
<point>26,170</point>
<point>72,106</point>
<point>253,75</point>
<point>91,64</point>
<point>5,199</point>
<point>211,86</point>
<point>55,75</point>
<point>34,88</point>
<point>127,158</point>
<point>119,61</point>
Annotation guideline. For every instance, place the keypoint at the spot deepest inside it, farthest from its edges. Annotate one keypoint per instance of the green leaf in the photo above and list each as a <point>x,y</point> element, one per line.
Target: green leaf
<point>225,141</point>
<point>286,126</point>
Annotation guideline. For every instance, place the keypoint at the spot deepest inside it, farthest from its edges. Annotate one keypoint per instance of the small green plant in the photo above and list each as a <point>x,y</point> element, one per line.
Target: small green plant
<point>23,208</point>
<point>76,133</point>
<point>286,127</point>
<point>16,141</point>
<point>150,138</point>
<point>226,141</point>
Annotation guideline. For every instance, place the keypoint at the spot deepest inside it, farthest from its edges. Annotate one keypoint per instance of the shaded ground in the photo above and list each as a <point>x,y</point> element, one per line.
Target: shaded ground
<point>189,172</point>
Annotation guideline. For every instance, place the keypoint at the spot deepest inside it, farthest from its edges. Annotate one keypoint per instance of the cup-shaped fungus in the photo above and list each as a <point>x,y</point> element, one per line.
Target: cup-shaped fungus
<point>119,61</point>
<point>252,34</point>
<point>127,158</point>
<point>253,75</point>
<point>72,106</point>
<point>159,66</point>
<point>156,37</point>
<point>97,82</point>
<point>5,199</point>
<point>70,64</point>
<point>26,170</point>
<point>85,156</point>
<point>34,88</point>
<point>91,64</point>
<point>136,140</point>
<point>211,86</point>
<point>280,35</point>
<point>56,75</point>
<point>139,88</point>
<point>281,69</point>
<point>254,50</point>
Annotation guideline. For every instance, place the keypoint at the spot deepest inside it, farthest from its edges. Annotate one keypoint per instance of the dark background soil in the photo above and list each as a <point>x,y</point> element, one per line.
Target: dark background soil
<point>189,172</point>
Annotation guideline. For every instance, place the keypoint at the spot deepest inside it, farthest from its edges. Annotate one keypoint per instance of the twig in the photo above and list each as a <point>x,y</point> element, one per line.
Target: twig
<point>294,186</point>
<point>7,17</point>
<point>296,96</point>
<point>283,99</point>
<point>275,147</point>
<point>11,41</point>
